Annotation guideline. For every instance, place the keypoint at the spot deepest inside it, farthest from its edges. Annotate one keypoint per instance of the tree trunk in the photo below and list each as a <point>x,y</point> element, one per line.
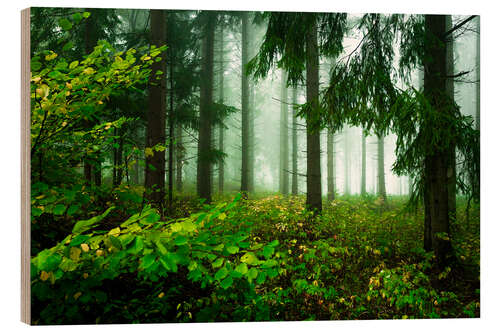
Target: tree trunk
<point>380,167</point>
<point>363,163</point>
<point>284,171</point>
<point>347,180</point>
<point>171,137</point>
<point>313,199</point>
<point>244,105</point>
<point>295,184</point>
<point>450,91</point>
<point>221,101</point>
<point>329,165</point>
<point>437,161</point>
<point>155,164</point>
<point>179,156</point>
<point>251,141</point>
<point>204,166</point>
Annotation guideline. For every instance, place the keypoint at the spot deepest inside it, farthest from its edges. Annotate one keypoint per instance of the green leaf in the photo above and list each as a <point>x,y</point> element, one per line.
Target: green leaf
<point>267,251</point>
<point>77,17</point>
<point>79,239</point>
<point>35,66</point>
<point>73,64</point>
<point>36,211</point>
<point>180,240</point>
<point>82,226</point>
<point>261,278</point>
<point>218,263</point>
<point>72,209</point>
<point>242,268</point>
<point>221,273</point>
<point>68,46</point>
<point>59,209</point>
<point>249,258</point>
<point>65,24</point>
<point>232,249</point>
<point>274,243</point>
<point>86,14</point>
<point>115,242</point>
<point>148,260</point>
<point>227,282</point>
<point>252,273</point>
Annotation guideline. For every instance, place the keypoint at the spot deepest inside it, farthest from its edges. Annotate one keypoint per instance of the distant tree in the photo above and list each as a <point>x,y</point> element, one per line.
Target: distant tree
<point>221,101</point>
<point>363,163</point>
<point>330,161</point>
<point>295,185</point>
<point>284,170</point>
<point>347,178</point>
<point>245,113</point>
<point>382,193</point>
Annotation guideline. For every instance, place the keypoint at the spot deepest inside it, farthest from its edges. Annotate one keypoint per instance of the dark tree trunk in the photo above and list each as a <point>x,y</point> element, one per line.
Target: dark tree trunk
<point>204,167</point>
<point>313,199</point>
<point>363,163</point>
<point>244,106</point>
<point>221,101</point>
<point>438,160</point>
<point>295,184</point>
<point>284,172</point>
<point>155,164</point>
<point>380,167</point>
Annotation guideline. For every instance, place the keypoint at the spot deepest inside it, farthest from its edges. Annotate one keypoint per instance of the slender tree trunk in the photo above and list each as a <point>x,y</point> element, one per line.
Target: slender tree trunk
<point>221,101</point>
<point>171,137</point>
<point>155,164</point>
<point>179,156</point>
<point>295,184</point>
<point>380,167</point>
<point>450,91</point>
<point>284,171</point>
<point>313,199</point>
<point>251,141</point>
<point>244,105</point>
<point>329,165</point>
<point>204,166</point>
<point>437,161</point>
<point>363,163</point>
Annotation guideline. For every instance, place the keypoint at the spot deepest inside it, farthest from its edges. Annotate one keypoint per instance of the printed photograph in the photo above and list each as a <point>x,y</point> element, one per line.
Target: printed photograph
<point>232,166</point>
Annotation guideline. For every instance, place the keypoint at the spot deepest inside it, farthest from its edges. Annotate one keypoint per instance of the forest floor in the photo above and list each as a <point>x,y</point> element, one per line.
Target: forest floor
<point>360,259</point>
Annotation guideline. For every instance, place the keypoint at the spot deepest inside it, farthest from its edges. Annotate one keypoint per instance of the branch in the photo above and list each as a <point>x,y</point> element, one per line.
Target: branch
<point>459,25</point>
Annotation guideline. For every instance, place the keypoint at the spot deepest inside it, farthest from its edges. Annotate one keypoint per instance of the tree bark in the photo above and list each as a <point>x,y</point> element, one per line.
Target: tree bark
<point>244,105</point>
<point>221,101</point>
<point>204,166</point>
<point>313,198</point>
<point>155,164</point>
<point>329,165</point>
<point>295,184</point>
<point>437,160</point>
<point>284,171</point>
<point>381,167</point>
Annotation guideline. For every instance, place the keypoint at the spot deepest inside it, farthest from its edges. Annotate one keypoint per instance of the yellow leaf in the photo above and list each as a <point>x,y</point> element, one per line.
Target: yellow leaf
<point>222,216</point>
<point>114,232</point>
<point>161,294</point>
<point>44,276</point>
<point>85,275</point>
<point>74,253</point>
<point>148,152</point>
<point>76,295</point>
<point>84,247</point>
<point>36,79</point>
<point>68,85</point>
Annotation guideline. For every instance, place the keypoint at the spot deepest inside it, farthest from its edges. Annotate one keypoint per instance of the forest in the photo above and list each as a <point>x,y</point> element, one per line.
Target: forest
<point>221,166</point>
